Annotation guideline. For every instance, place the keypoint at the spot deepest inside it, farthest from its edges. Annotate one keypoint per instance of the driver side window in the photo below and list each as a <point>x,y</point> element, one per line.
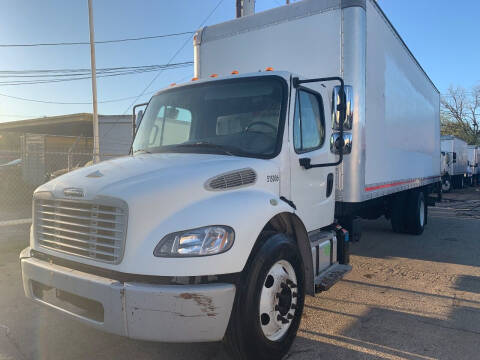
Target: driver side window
<point>309,122</point>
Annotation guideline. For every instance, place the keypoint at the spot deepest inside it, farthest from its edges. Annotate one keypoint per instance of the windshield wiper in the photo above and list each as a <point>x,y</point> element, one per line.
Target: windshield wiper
<point>142,151</point>
<point>206,144</point>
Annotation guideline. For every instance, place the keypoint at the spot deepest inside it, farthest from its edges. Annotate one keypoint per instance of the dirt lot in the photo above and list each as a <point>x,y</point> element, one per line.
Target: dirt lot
<point>408,297</point>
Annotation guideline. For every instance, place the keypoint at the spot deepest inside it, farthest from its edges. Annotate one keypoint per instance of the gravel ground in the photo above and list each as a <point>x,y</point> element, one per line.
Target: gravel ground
<point>407,297</point>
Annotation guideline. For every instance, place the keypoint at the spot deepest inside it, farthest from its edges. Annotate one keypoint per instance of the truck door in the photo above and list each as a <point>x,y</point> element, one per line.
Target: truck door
<point>312,190</point>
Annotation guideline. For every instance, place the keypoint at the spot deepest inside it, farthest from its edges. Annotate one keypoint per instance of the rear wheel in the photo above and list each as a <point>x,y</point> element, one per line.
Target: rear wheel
<point>446,184</point>
<point>416,213</point>
<point>269,302</point>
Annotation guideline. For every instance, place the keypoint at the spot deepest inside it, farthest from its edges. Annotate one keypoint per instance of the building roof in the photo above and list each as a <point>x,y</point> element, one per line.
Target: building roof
<point>69,125</point>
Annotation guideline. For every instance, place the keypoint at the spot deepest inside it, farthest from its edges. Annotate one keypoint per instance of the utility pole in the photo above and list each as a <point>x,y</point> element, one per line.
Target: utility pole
<point>96,144</point>
<point>245,7</point>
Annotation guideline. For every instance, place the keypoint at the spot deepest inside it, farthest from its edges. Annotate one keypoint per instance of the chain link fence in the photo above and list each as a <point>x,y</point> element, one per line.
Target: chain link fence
<point>38,159</point>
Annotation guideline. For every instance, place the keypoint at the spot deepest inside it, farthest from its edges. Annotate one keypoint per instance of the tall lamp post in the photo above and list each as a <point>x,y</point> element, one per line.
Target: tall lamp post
<point>96,145</point>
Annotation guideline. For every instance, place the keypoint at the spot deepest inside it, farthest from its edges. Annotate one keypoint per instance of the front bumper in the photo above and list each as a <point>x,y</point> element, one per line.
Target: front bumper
<point>167,313</point>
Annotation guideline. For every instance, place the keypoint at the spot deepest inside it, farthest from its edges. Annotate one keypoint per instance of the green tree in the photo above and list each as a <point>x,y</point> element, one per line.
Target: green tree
<point>460,113</point>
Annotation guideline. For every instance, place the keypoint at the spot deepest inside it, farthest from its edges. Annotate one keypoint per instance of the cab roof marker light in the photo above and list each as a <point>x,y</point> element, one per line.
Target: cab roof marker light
<point>173,84</point>
<point>234,72</point>
<point>214,75</point>
<point>269,68</point>
<point>195,78</point>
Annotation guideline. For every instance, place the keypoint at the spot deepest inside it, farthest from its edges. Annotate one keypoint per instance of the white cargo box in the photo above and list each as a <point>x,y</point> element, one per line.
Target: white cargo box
<point>396,124</point>
<point>457,149</point>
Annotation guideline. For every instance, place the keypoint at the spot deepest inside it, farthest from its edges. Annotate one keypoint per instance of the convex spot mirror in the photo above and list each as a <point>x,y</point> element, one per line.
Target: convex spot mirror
<point>336,143</point>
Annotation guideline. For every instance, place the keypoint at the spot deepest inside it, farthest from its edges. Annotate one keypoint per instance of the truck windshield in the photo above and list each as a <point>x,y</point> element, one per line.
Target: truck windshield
<point>240,117</point>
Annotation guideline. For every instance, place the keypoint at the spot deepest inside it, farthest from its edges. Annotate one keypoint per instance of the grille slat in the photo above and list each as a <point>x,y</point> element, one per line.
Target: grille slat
<point>77,217</point>
<point>87,234</point>
<point>58,246</point>
<point>84,210</point>
<point>90,243</point>
<point>81,225</point>
<point>82,228</point>
<point>233,179</point>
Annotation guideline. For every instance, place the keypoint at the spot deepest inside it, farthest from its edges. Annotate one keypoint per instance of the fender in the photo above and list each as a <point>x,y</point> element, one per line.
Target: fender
<point>247,211</point>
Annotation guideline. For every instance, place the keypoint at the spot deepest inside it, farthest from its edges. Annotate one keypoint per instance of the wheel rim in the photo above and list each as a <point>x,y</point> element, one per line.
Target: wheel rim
<point>422,212</point>
<point>278,300</point>
<point>446,185</point>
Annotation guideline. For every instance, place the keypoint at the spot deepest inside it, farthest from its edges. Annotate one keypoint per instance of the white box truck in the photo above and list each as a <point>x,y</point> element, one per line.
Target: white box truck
<point>455,162</point>
<point>229,210</point>
<point>473,171</point>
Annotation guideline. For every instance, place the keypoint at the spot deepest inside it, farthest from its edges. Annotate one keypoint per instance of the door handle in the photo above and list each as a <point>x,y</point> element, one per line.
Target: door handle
<point>329,184</point>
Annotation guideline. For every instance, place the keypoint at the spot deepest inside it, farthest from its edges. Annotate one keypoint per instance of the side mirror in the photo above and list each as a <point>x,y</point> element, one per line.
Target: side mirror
<point>138,118</point>
<point>347,115</point>
<point>337,143</point>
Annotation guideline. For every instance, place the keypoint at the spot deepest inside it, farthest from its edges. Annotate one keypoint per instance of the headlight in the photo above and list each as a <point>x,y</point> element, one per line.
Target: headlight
<point>202,241</point>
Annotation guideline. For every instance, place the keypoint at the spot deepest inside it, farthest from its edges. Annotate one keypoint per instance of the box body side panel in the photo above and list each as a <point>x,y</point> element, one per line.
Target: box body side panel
<point>402,114</point>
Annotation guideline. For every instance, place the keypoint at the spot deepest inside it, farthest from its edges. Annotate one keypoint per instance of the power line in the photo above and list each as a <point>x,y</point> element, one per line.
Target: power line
<point>98,42</point>
<point>172,58</point>
<point>70,103</point>
<point>54,78</point>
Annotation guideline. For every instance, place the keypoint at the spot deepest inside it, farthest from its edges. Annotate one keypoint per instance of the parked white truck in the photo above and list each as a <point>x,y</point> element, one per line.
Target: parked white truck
<point>230,209</point>
<point>454,158</point>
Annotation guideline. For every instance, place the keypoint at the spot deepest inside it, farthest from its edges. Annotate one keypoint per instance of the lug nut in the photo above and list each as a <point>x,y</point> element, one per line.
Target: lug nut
<point>291,284</point>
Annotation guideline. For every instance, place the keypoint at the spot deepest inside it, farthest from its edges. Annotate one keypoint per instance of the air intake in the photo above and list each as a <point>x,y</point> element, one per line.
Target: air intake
<point>231,180</point>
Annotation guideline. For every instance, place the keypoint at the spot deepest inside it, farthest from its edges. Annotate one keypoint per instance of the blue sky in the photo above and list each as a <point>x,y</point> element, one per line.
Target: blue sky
<point>442,35</point>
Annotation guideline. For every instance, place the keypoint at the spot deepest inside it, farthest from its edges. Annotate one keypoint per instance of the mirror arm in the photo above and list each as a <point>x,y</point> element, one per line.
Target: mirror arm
<point>342,107</point>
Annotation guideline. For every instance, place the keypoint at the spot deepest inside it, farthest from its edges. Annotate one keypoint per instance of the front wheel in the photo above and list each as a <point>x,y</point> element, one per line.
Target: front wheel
<point>269,302</point>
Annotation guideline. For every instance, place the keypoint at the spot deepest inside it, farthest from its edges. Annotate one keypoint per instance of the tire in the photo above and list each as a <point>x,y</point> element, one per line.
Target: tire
<point>251,330</point>
<point>416,212</point>
<point>446,184</point>
<point>398,218</point>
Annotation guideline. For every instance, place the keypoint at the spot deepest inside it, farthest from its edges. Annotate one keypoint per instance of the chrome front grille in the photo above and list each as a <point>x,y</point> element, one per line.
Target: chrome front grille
<point>88,229</point>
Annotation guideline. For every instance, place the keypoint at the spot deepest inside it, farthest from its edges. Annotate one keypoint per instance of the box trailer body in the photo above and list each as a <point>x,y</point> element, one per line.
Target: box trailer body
<point>473,159</point>
<point>473,171</point>
<point>395,132</point>
<point>456,152</point>
<point>243,185</point>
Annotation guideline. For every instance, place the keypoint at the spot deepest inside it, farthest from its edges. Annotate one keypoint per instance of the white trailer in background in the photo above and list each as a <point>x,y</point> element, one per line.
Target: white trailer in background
<point>243,183</point>
<point>473,164</point>
<point>455,159</point>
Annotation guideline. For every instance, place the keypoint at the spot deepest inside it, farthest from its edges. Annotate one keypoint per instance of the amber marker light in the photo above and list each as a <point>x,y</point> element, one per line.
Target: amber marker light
<point>214,75</point>
<point>194,78</point>
<point>269,68</point>
<point>234,72</point>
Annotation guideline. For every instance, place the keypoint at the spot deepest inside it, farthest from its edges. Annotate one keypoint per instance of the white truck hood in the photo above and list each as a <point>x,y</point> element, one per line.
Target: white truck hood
<point>166,193</point>
<point>112,177</point>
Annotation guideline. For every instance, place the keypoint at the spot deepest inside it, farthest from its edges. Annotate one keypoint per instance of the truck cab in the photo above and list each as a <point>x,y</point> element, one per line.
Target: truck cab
<point>212,225</point>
